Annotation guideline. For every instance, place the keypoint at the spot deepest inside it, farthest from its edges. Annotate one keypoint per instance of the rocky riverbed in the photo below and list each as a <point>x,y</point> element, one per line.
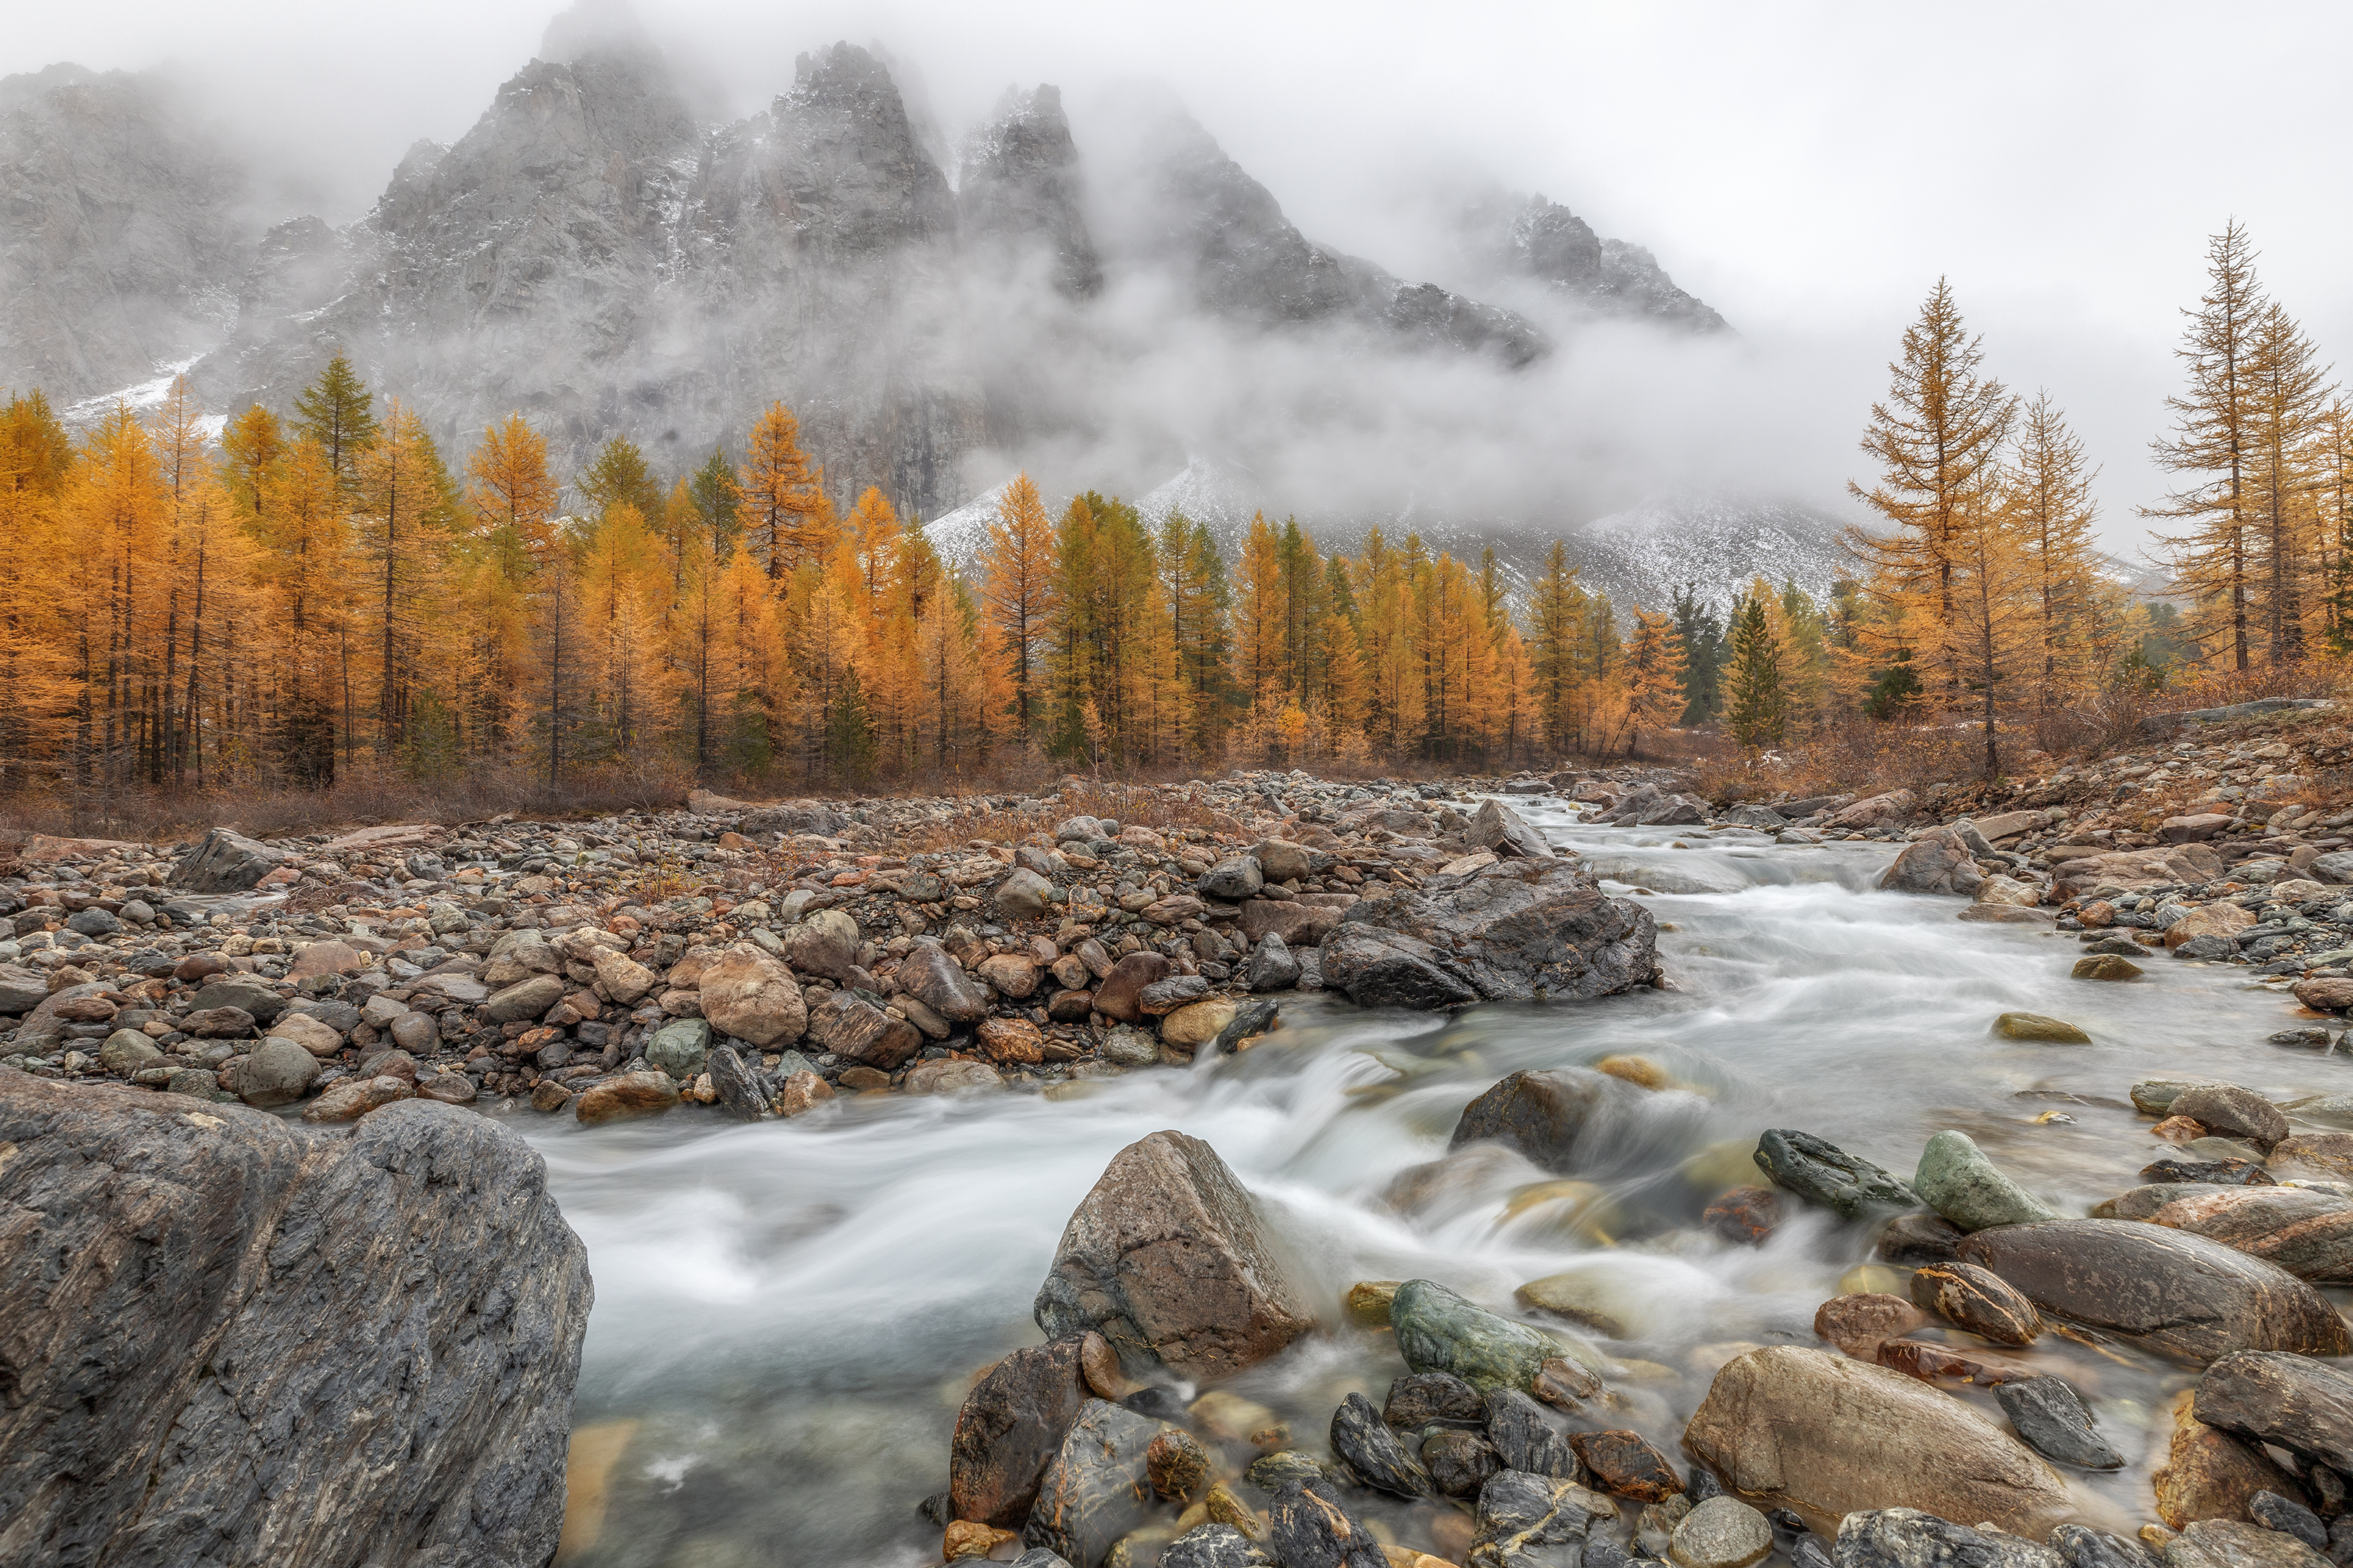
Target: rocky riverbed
<point>1513,1171</point>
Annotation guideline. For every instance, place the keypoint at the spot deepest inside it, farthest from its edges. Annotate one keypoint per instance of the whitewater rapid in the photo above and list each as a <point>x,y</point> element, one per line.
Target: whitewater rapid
<point>788,1313</point>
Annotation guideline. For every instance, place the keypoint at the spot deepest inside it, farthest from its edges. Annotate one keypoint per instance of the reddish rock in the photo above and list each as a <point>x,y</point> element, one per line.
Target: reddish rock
<point>1625,1465</point>
<point>1009,1429</point>
<point>1745,1217</point>
<point>1119,997</point>
<point>1857,1324</point>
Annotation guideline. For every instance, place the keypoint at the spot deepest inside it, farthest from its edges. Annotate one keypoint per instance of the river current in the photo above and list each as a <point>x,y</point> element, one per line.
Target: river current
<point>788,1313</point>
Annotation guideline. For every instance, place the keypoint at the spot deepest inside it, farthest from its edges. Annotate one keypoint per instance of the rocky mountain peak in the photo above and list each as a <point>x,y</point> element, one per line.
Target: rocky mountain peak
<point>1536,239</point>
<point>1020,188</point>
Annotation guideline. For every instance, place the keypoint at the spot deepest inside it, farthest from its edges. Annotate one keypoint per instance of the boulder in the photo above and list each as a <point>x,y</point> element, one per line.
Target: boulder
<point>1521,1515</point>
<point>2330,1154</point>
<point>2291,1402</point>
<point>2053,1420</point>
<point>523,1000</point>
<point>1438,1330</point>
<point>846,1023</point>
<point>1024,896</point>
<point>1373,1452</point>
<point>1788,1426</point>
<point>1970,1298</point>
<point>1013,974</point>
<point>629,1094</point>
<point>1523,1438</point>
<point>181,1357</point>
<point>1197,1024</point>
<point>1233,879</point>
<point>225,862</point>
<point>2324,995</point>
<point>2177,1294</point>
<point>1120,996</point>
<point>1309,1526</point>
<point>351,1098</point>
<point>748,995</point>
<point>2213,920</point>
<point>1860,1324</point>
<point>1907,1537</point>
<point>1625,1465</point>
<point>1010,1429</point>
<point>2038,1029</point>
<point>1459,1463</point>
<point>1517,929</point>
<point>2232,1112</point>
<point>933,978</point>
<point>1168,1259</point>
<point>623,977</point>
<point>313,1035</point>
<point>2189,829</point>
<point>1097,1486</point>
<point>950,1076</point>
<point>1821,1173</point>
<point>1722,1532</point>
<point>1269,966</point>
<point>1880,811</point>
<point>1938,861</point>
<point>824,943</point>
<point>1432,1399</point>
<point>1280,860</point>
<point>680,1048</point>
<point>1203,1546</point>
<point>739,1089</point>
<point>1497,826</point>
<point>1299,924</point>
<point>246,996</point>
<point>2307,1232</point>
<point>1561,1119</point>
<point>2227,1543</point>
<point>126,1051</point>
<point>1959,1183</point>
<point>276,1072</point>
<point>2208,1473</point>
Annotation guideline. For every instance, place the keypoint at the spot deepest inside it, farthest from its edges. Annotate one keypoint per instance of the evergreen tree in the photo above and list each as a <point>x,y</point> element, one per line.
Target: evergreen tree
<point>1758,711</point>
<point>1700,636</point>
<point>335,411</point>
<point>617,474</point>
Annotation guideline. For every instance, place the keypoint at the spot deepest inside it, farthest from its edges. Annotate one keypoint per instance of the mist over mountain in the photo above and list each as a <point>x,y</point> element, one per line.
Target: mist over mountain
<point>1095,291</point>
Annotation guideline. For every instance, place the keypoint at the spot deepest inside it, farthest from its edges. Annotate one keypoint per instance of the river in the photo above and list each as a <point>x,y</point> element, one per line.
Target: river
<point>788,1314</point>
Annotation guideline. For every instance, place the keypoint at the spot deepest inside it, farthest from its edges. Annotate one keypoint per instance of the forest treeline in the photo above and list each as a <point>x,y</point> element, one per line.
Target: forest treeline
<point>285,596</point>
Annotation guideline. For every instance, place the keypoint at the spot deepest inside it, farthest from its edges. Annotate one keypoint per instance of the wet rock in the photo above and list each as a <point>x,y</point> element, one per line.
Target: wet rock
<point>1497,826</point>
<point>1519,929</point>
<point>2232,1112</point>
<point>213,1239</point>
<point>1815,1432</point>
<point>1858,1325</point>
<point>1197,1024</point>
<point>1564,1386</point>
<point>738,1087</point>
<point>1214,1546</point>
<point>2329,1154</point>
<point>2306,1232</point>
<point>1623,1464</point>
<point>1745,1217</point>
<point>2106,966</point>
<point>1910,1241</point>
<point>226,862</point>
<point>1938,861</point>
<point>629,1094</point>
<point>2081,1547</point>
<point>1168,1259</point>
<point>2289,1401</point>
<point>1097,1488</point>
<point>2227,1543</point>
<point>2288,1517</point>
<point>276,1072</point>
<point>1520,1514</point>
<point>1272,1472</point>
<point>1308,1526</point>
<point>802,1091</point>
<point>1373,1452</point>
<point>1972,1299</point>
<point>1438,1330</point>
<point>1821,1173</point>
<point>1957,1181</point>
<point>1556,1118</point>
<point>2053,1420</point>
<point>748,995</point>
<point>1177,1464</point>
<point>1909,1537</point>
<point>952,1076</point>
<point>1722,1532</point>
<point>1432,1399</point>
<point>1524,1440</point>
<point>2180,1295</point>
<point>1459,1463</point>
<point>1010,1428</point>
<point>2034,1027</point>
<point>2172,1169</point>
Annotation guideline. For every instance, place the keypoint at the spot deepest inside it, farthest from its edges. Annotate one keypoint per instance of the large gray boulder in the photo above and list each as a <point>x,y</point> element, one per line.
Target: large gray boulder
<point>270,1345</point>
<point>1497,826</point>
<point>225,862</point>
<point>1167,1258</point>
<point>1520,928</point>
<point>1938,861</point>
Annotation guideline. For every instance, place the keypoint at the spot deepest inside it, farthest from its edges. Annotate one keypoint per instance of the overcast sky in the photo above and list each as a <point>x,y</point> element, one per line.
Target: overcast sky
<point>1808,170</point>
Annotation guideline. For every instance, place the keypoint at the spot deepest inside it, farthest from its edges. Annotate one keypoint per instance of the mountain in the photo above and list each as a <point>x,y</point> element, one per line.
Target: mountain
<point>127,235</point>
<point>600,254</point>
<point>1532,240</point>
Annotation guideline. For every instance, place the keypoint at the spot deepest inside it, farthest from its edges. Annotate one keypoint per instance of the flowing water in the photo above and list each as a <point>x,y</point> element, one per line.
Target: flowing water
<point>788,1314</point>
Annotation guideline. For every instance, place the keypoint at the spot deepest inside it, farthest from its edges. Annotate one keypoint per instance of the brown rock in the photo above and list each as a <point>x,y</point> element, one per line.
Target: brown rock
<point>548,1097</point>
<point>1743,1216</point>
<point>1100,1366</point>
<point>2213,919</point>
<point>1625,1465</point>
<point>1936,1363</point>
<point>1070,1006</point>
<point>2177,1130</point>
<point>355,1097</point>
<point>2210,1474</point>
<point>754,997</point>
<point>1295,923</point>
<point>2179,1294</point>
<point>1014,975</point>
<point>802,1091</point>
<point>1118,997</point>
<point>951,1075</point>
<point>1196,1024</point>
<point>1970,1298</point>
<point>848,1024</point>
<point>2106,966</point>
<point>2329,1153</point>
<point>1564,1385</point>
<point>209,1023</point>
<point>2292,1402</point>
<point>449,1088</point>
<point>1167,1258</point>
<point>1913,1239</point>
<point>2325,995</point>
<point>1857,1324</point>
<point>1799,1428</point>
<point>2231,1112</point>
<point>1367,1302</point>
<point>311,959</point>
<point>1009,1429</point>
<point>1177,1464</point>
<point>630,1094</point>
<point>2306,1232</point>
<point>964,1540</point>
<point>864,1079</point>
<point>1011,1040</point>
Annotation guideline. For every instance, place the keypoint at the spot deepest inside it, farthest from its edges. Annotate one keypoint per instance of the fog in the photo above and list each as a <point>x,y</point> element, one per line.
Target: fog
<point>1807,170</point>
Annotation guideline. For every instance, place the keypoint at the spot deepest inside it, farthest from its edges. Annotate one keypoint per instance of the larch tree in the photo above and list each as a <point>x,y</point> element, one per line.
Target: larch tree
<point>2286,392</point>
<point>1018,574</point>
<point>2050,503</point>
<point>618,473</point>
<point>35,563</point>
<point>2330,458</point>
<point>404,515</point>
<point>1937,434</point>
<point>2213,558</point>
<point>1990,634</point>
<point>1654,675</point>
<point>778,496</point>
